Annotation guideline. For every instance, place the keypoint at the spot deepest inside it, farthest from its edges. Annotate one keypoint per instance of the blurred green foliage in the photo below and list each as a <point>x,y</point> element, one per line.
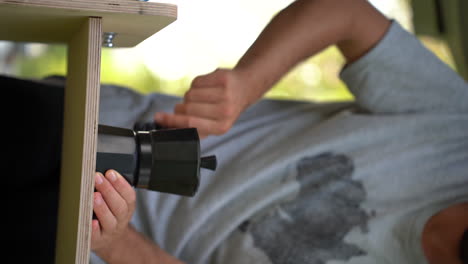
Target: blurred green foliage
<point>315,79</point>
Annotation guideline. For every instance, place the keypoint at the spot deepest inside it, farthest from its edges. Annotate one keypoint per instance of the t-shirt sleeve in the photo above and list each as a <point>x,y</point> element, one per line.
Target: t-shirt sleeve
<point>399,75</point>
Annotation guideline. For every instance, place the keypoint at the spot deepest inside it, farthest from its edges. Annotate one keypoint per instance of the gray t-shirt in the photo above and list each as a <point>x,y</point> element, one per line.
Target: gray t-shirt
<point>299,182</point>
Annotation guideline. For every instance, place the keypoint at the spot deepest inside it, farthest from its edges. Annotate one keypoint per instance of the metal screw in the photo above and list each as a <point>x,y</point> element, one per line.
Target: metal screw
<point>107,39</point>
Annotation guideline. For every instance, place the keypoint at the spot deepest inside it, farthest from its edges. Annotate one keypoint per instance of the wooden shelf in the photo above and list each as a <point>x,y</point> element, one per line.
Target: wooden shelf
<point>53,21</point>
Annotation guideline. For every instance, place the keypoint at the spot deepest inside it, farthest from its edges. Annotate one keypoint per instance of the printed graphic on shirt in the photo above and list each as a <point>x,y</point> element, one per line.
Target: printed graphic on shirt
<point>311,228</point>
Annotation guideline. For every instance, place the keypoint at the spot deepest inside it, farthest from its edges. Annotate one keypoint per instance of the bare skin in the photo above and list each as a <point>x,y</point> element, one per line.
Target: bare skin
<point>215,101</point>
<point>113,239</point>
<point>303,29</point>
<point>442,234</point>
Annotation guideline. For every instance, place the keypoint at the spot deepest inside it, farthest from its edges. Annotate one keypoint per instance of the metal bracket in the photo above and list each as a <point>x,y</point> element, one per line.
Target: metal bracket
<point>108,38</point>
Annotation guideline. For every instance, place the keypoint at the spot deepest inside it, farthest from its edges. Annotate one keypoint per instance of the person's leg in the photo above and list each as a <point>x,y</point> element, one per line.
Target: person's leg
<point>37,136</point>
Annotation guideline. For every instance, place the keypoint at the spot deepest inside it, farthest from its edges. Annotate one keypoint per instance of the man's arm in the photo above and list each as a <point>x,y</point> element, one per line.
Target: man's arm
<point>442,235</point>
<point>135,248</point>
<point>301,30</point>
<point>113,239</point>
<point>304,29</point>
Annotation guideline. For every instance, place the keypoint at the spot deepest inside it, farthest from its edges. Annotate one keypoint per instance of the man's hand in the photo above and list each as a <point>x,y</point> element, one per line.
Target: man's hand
<point>114,203</point>
<point>212,104</point>
<point>113,238</point>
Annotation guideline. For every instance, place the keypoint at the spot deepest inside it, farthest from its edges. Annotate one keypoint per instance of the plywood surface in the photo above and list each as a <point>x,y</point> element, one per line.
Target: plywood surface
<point>79,144</point>
<point>51,21</point>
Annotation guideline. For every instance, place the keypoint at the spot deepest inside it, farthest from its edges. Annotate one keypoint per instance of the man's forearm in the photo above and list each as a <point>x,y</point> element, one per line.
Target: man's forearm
<point>134,248</point>
<point>305,28</point>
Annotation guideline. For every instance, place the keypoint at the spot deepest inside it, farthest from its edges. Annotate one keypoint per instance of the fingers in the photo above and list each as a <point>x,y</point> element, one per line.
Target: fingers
<point>196,109</point>
<point>123,188</point>
<point>106,219</point>
<point>114,200</point>
<point>114,203</point>
<point>207,111</point>
<point>212,105</point>
<point>204,126</point>
<point>204,95</point>
<point>96,230</point>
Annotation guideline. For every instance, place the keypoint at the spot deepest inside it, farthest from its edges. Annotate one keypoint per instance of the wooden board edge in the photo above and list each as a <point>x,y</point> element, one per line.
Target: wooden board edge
<point>79,144</point>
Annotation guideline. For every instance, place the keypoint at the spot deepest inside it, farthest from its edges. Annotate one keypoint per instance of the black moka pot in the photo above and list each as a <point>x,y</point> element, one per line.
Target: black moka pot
<point>149,157</point>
